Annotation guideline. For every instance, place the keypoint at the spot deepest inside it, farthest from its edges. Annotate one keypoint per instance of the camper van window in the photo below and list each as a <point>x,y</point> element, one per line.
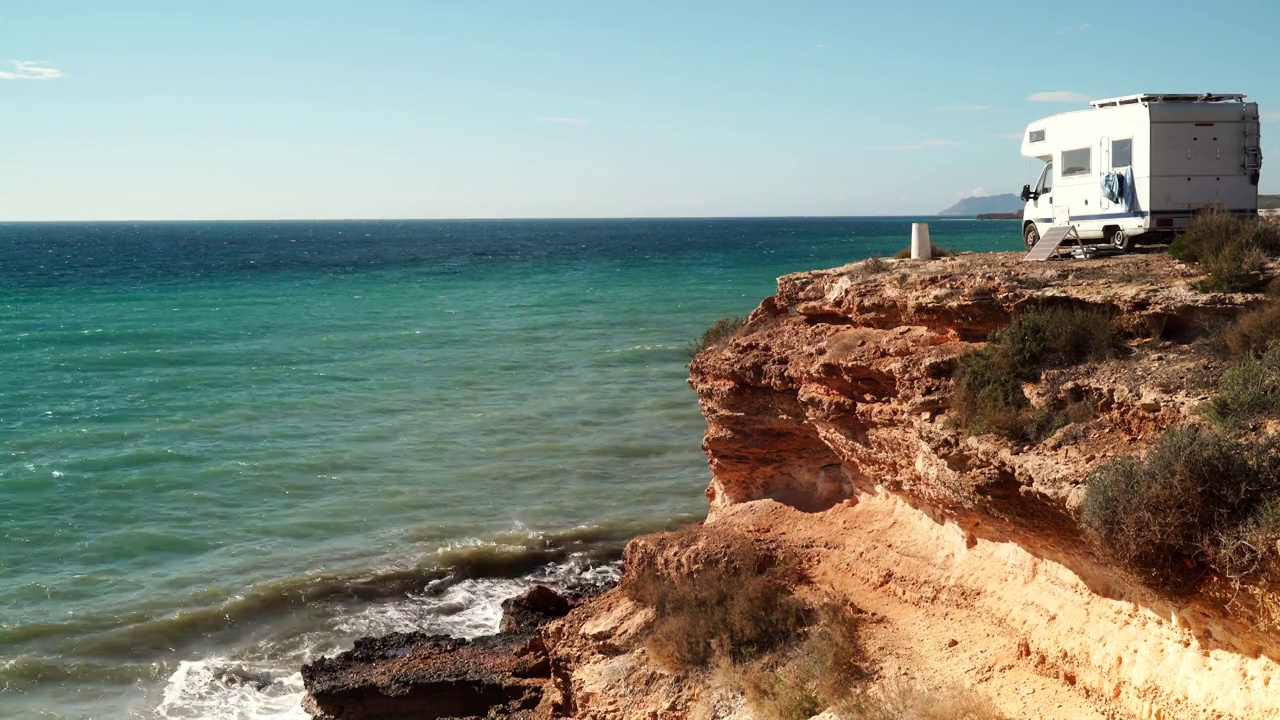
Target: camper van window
<point>1121,153</point>
<point>1046,180</point>
<point>1075,162</point>
<point>1037,136</point>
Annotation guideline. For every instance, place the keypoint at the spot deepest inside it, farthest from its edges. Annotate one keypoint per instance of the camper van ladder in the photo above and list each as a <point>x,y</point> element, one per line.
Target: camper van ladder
<point>1252,146</point>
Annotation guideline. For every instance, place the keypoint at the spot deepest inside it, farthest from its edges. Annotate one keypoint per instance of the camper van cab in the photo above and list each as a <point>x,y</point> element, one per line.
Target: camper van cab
<point>1141,166</point>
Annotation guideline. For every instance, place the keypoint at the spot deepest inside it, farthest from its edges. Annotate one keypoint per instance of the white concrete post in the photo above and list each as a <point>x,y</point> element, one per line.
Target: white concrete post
<point>920,248</point>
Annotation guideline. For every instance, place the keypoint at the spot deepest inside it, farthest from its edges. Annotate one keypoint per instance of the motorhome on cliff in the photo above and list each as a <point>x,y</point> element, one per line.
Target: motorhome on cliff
<point>1141,166</point>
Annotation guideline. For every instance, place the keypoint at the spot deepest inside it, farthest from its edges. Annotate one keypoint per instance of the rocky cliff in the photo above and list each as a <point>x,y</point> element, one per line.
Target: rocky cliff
<point>831,436</point>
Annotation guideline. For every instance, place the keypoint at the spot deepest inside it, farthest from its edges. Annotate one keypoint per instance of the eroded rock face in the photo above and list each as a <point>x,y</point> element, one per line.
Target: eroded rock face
<point>842,380</point>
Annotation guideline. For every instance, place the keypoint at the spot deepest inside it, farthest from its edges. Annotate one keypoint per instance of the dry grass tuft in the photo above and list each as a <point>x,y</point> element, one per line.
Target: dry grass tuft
<point>737,606</point>
<point>818,673</point>
<point>874,266</point>
<point>1231,249</point>
<point>903,701</point>
<point>1254,332</point>
<point>718,334</point>
<point>936,251</point>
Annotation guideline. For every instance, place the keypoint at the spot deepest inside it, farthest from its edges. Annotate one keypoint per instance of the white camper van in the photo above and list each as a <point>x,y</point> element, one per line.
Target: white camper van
<point>1141,165</point>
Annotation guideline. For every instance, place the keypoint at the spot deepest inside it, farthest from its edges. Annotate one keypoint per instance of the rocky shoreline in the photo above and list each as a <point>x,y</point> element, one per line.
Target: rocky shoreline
<point>832,442</point>
<point>417,675</point>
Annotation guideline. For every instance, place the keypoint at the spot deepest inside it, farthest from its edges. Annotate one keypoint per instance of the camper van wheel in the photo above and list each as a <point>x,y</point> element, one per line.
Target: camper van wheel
<point>1122,240</point>
<point>1031,236</point>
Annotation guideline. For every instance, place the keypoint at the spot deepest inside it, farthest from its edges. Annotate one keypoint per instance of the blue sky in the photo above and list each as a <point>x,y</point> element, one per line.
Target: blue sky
<point>292,109</point>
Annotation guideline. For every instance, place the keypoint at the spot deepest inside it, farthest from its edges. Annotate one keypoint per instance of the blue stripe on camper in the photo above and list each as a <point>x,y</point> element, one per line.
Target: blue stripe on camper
<point>1143,214</point>
<point>1109,216</point>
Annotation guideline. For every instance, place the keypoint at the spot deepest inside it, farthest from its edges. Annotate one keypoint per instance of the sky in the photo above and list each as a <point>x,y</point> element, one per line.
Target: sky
<point>432,109</point>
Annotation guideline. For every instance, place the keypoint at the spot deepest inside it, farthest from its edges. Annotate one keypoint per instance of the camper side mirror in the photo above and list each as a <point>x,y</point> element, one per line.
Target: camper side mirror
<point>1026,193</point>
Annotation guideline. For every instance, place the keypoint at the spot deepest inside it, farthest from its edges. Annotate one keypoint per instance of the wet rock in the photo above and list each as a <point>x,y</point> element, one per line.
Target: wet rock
<point>415,675</point>
<point>531,609</point>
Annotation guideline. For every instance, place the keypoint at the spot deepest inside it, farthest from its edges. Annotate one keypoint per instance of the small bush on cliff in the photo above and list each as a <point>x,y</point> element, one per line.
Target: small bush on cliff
<point>736,605</point>
<point>1199,500</point>
<point>1231,249</point>
<point>874,265</point>
<point>988,394</point>
<point>1247,392</point>
<point>934,251</point>
<point>718,334</point>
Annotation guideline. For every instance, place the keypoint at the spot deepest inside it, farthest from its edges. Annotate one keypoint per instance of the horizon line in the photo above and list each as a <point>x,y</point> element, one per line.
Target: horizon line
<point>488,219</point>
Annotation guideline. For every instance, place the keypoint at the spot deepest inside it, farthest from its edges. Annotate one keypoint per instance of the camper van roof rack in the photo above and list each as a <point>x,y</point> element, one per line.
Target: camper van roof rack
<point>1166,98</point>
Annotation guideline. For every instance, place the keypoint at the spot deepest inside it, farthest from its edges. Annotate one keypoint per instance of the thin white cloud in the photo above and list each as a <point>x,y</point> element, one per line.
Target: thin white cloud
<point>1058,96</point>
<point>979,191</point>
<point>913,146</point>
<point>1008,136</point>
<point>563,120</point>
<point>821,46</point>
<point>1273,116</point>
<point>965,108</point>
<point>1086,26</point>
<point>31,70</point>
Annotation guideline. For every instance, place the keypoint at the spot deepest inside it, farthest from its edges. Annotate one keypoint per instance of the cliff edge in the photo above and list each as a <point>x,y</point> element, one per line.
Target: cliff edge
<point>833,442</point>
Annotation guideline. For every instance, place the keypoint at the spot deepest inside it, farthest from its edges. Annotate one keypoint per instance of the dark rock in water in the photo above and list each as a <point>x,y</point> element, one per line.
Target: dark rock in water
<point>415,675</point>
<point>531,609</point>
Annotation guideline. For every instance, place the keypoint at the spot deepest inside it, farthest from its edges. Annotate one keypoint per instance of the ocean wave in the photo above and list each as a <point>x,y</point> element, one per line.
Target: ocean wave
<point>219,687</point>
<point>264,636</point>
<point>21,673</point>
<point>562,557</point>
<point>647,348</point>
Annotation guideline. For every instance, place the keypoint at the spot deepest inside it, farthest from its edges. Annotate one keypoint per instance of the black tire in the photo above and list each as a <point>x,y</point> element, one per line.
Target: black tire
<point>1030,236</point>
<point>1122,240</point>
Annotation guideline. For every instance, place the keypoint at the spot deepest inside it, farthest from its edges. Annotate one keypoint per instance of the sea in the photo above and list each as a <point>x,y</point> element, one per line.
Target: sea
<point>228,448</point>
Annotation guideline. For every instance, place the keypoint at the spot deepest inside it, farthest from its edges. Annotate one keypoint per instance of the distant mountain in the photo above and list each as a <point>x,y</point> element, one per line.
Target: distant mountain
<point>1005,203</point>
<point>1268,202</point>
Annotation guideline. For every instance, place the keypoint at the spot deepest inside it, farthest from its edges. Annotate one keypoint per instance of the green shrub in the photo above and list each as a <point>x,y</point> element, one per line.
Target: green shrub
<point>987,395</point>
<point>934,251</point>
<point>1247,392</point>
<point>1189,505</point>
<point>736,606</point>
<point>1231,249</point>
<point>1056,336</point>
<point>718,334</point>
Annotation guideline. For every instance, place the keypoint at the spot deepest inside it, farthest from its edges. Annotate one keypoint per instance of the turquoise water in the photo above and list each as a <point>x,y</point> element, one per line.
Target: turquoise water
<point>228,447</point>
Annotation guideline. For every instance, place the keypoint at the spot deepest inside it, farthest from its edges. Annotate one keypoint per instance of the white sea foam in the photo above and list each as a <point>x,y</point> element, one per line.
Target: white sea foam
<point>222,688</point>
